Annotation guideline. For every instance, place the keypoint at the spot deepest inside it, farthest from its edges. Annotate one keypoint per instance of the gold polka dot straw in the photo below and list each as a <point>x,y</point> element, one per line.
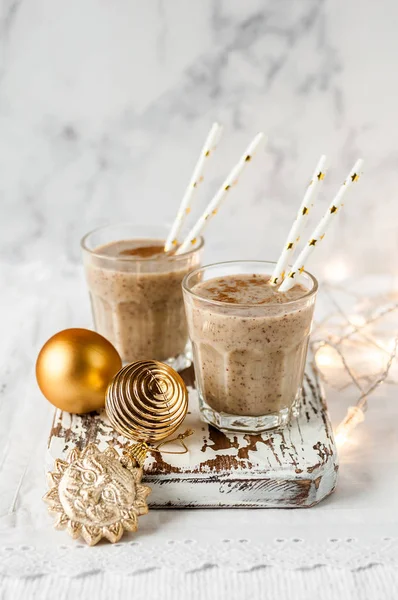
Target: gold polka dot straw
<point>319,232</point>
<point>214,204</point>
<point>196,178</point>
<point>299,223</point>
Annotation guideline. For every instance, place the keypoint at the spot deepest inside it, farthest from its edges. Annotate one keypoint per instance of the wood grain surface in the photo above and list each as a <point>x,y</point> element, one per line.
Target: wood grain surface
<point>293,467</point>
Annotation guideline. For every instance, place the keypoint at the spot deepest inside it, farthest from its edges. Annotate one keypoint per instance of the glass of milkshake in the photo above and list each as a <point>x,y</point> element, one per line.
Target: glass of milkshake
<point>135,291</point>
<point>249,343</point>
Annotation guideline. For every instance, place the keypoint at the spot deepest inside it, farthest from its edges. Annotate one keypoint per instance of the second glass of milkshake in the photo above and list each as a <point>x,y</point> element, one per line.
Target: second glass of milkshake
<point>135,291</point>
<point>249,343</point>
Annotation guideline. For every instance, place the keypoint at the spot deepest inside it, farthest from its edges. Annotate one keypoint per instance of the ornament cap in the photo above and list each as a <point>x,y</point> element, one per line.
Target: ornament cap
<point>137,452</point>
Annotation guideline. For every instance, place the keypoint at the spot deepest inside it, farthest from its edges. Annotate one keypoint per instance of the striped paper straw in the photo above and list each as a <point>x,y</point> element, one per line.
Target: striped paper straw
<point>212,208</point>
<point>299,223</point>
<point>196,178</point>
<point>319,232</point>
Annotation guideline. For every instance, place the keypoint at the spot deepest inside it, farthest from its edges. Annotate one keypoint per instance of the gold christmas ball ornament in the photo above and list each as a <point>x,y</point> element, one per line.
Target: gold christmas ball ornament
<point>74,368</point>
<point>146,401</point>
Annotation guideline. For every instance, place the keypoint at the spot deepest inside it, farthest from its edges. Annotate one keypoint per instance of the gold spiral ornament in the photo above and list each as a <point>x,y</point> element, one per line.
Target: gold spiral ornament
<point>146,401</point>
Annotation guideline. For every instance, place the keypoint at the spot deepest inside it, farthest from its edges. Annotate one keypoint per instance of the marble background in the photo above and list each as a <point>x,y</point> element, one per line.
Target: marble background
<point>105,105</point>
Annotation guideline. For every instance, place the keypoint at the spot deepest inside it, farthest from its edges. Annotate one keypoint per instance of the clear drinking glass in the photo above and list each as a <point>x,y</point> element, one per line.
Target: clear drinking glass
<point>137,301</point>
<point>249,359</point>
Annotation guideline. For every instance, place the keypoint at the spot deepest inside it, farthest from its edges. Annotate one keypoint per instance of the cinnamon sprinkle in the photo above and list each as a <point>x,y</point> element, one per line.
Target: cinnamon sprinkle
<point>246,289</point>
<point>143,251</point>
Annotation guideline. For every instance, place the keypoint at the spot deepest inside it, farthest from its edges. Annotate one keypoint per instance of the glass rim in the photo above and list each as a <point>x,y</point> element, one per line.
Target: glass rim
<point>189,290</point>
<point>129,258</point>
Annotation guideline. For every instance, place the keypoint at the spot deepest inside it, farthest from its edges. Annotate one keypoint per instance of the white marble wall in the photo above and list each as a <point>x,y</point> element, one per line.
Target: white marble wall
<point>104,106</point>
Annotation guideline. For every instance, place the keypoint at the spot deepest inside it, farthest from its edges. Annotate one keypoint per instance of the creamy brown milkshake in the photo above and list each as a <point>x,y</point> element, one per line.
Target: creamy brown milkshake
<point>249,343</point>
<point>136,296</point>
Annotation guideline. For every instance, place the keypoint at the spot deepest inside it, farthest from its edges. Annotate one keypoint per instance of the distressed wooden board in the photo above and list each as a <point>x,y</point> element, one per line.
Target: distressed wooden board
<point>291,468</point>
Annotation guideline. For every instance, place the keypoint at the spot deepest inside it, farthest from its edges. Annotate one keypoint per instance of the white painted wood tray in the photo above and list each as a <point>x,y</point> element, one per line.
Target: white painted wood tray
<point>292,468</point>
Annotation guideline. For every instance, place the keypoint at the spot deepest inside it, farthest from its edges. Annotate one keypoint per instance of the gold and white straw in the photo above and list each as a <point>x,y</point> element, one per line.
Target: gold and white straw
<point>196,178</point>
<point>214,204</point>
<point>319,232</point>
<point>299,223</point>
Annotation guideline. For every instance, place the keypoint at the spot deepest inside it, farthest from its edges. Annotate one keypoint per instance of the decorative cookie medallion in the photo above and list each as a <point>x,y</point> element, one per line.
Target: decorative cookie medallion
<point>96,494</point>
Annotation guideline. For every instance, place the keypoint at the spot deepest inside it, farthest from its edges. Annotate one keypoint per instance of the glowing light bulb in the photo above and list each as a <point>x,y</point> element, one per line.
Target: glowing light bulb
<point>341,437</point>
<point>336,271</point>
<point>357,320</point>
<point>354,417</point>
<point>325,357</point>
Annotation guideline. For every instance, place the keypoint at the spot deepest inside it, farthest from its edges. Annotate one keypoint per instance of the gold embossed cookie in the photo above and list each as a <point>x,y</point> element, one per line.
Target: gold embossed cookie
<point>96,494</point>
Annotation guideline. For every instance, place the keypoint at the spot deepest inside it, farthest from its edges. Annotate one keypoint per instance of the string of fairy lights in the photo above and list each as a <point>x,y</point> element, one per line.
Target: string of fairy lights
<point>356,350</point>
